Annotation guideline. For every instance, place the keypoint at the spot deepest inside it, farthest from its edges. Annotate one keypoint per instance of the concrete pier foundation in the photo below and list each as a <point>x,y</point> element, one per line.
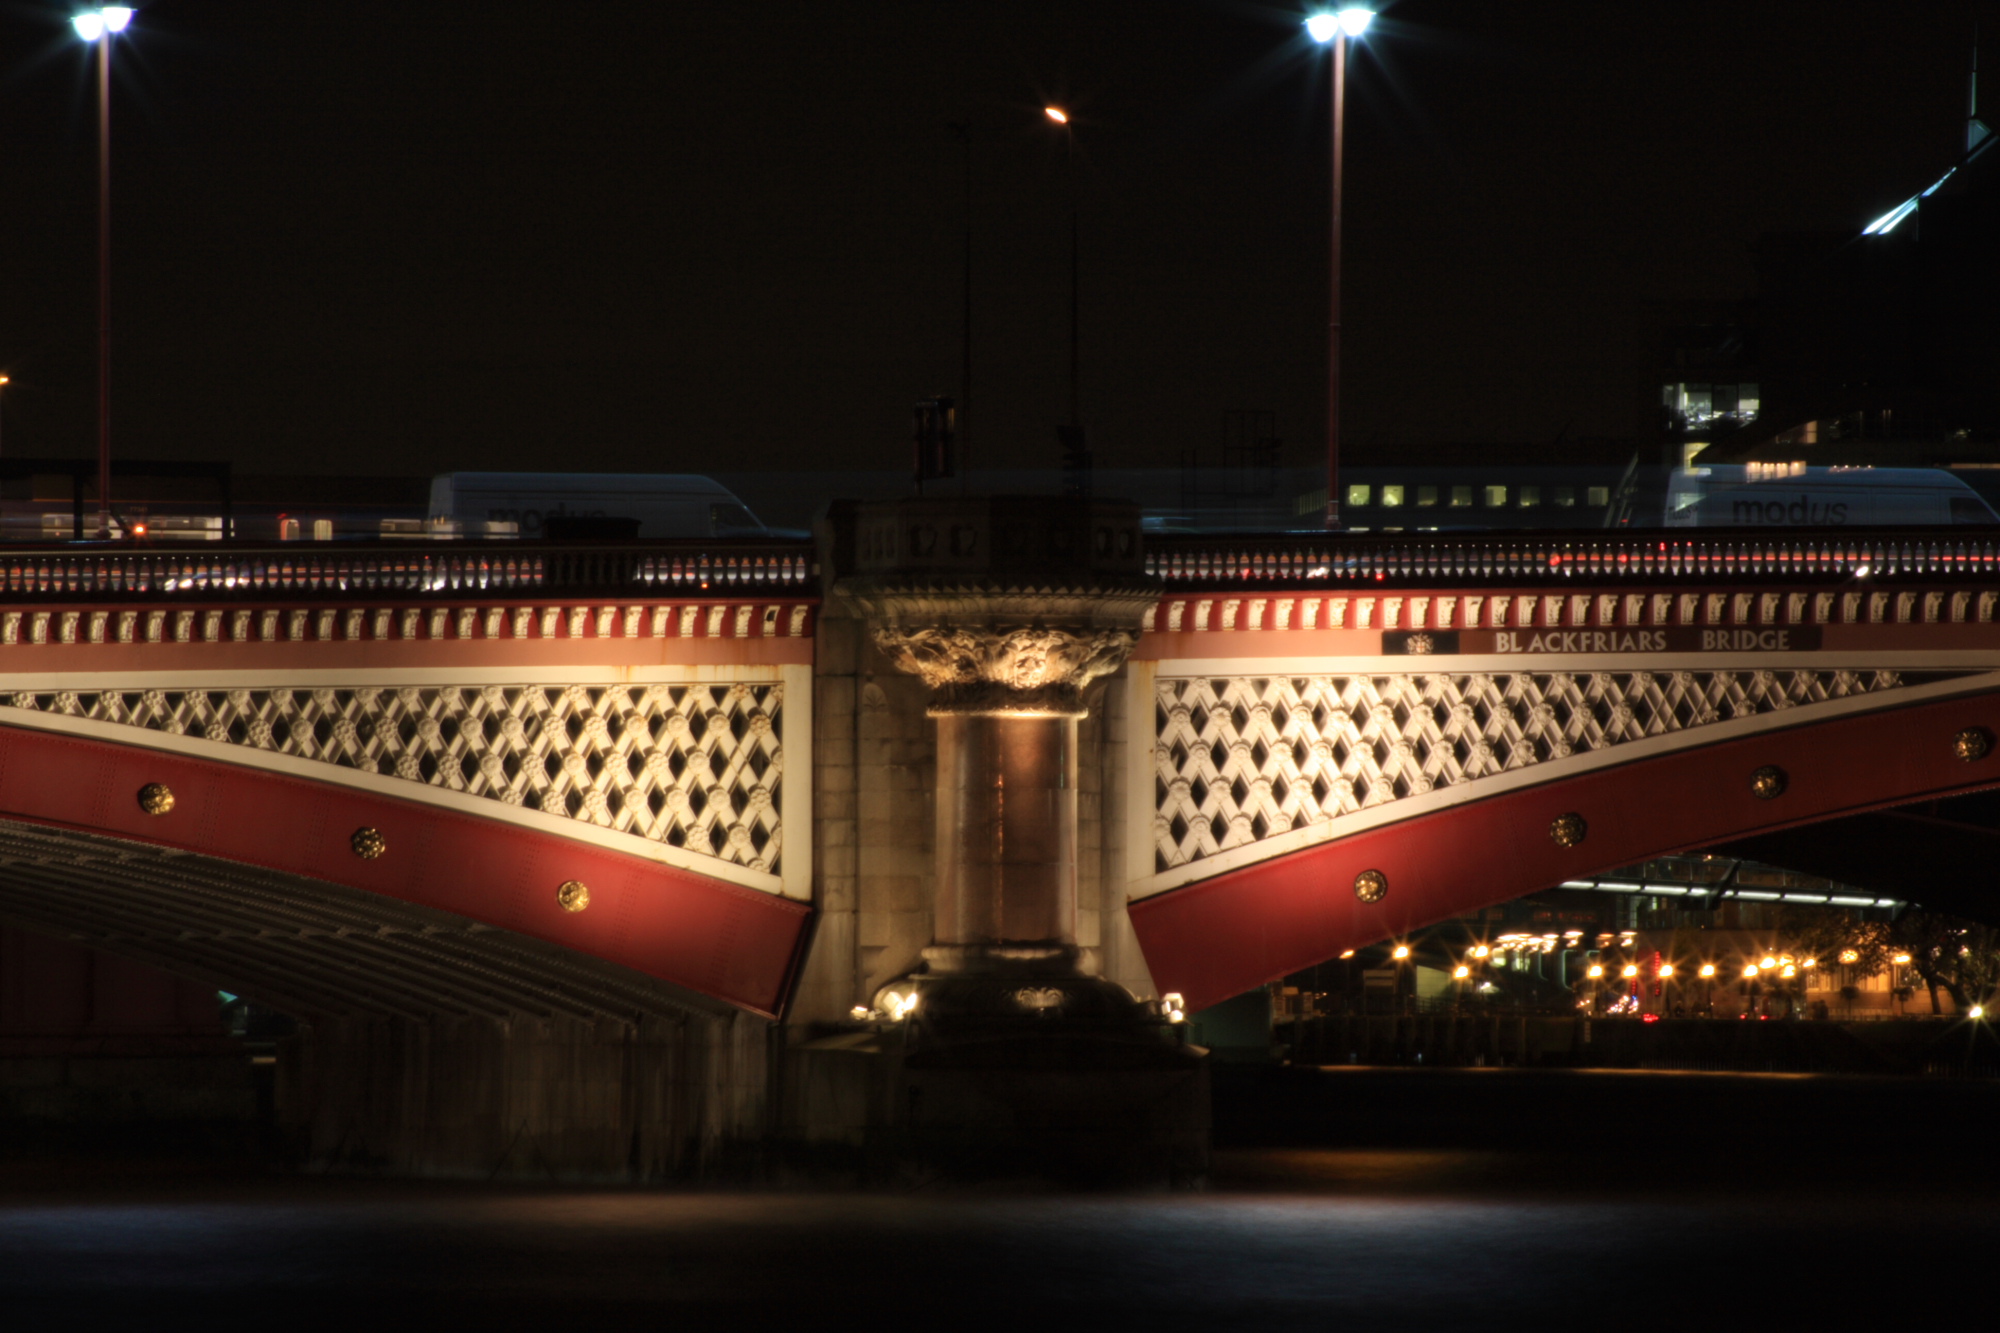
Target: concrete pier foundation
<point>659,1099</point>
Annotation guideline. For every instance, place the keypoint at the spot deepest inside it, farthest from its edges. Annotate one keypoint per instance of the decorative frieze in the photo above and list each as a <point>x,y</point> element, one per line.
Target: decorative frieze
<point>1242,759</point>
<point>734,620</point>
<point>693,766</point>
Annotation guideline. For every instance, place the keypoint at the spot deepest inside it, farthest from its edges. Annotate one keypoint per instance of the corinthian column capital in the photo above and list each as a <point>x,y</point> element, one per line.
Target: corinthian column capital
<point>995,669</point>
<point>1005,606</point>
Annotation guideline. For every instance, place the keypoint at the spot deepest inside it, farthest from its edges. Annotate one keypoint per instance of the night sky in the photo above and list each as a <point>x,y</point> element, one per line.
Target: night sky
<point>374,238</point>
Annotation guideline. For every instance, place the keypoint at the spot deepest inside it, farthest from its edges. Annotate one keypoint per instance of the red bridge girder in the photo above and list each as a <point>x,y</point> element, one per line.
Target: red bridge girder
<point>717,939</point>
<point>1222,936</point>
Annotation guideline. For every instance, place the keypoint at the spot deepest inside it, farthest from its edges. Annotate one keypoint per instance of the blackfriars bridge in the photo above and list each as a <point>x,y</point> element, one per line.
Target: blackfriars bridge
<point>642,850</point>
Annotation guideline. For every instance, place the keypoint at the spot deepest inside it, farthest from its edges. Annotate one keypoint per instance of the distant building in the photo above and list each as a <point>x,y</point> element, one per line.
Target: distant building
<point>1875,341</point>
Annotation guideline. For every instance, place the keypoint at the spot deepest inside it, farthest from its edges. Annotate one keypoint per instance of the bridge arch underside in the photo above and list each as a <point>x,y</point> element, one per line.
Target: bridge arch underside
<point>310,948</point>
<point>264,884</point>
<point>1239,929</point>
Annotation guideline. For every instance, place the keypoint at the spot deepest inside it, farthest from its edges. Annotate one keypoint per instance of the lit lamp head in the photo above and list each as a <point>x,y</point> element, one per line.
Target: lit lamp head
<point>1595,971</point>
<point>1347,21</point>
<point>1631,970</point>
<point>1400,951</point>
<point>1056,114</point>
<point>1708,969</point>
<point>93,24</point>
<point>1666,969</point>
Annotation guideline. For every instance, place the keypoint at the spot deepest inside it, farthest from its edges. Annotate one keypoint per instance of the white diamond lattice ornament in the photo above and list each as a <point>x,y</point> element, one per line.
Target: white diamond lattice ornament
<point>693,766</point>
<point>1241,759</point>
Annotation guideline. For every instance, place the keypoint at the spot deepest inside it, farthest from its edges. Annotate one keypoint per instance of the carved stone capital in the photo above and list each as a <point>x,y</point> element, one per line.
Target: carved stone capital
<point>1003,605</point>
<point>1038,670</point>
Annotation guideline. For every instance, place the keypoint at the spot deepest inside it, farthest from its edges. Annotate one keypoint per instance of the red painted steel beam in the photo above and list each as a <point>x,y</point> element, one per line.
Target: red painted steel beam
<point>731,943</point>
<point>1222,936</point>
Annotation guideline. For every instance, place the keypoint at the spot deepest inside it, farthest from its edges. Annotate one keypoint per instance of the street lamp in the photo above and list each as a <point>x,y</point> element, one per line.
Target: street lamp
<point>1076,456</point>
<point>4,382</point>
<point>1336,28</point>
<point>101,26</point>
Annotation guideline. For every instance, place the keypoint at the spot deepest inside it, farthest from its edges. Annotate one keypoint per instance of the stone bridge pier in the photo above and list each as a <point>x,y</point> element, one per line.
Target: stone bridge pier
<point>1013,1047</point>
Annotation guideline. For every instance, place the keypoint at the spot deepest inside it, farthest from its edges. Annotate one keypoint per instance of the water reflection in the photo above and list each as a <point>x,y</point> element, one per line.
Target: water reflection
<point>1402,1238</point>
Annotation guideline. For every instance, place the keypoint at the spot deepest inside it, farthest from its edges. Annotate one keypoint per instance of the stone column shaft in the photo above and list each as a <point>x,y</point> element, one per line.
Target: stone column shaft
<point>1006,831</point>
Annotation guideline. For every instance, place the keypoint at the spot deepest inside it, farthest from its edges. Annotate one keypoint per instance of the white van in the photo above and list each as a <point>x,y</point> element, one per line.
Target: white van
<point>663,504</point>
<point>1788,495</point>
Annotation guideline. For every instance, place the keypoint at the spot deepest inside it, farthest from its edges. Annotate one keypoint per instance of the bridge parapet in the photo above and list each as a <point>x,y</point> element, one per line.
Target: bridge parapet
<point>409,569</point>
<point>1413,559</point>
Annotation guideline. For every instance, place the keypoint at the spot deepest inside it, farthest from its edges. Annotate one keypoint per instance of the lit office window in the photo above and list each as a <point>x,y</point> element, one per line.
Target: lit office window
<point>1565,497</point>
<point>1530,496</point>
<point>1461,497</point>
<point>1357,497</point>
<point>1496,497</point>
<point>1599,495</point>
<point>1427,496</point>
<point>1392,496</point>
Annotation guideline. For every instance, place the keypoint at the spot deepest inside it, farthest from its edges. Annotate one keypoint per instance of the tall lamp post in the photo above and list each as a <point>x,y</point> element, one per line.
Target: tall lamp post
<point>101,27</point>
<point>4,382</point>
<point>1076,454</point>
<point>1336,28</point>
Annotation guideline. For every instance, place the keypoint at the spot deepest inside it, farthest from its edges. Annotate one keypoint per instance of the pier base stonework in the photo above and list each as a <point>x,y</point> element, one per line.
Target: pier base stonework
<point>996,1044</point>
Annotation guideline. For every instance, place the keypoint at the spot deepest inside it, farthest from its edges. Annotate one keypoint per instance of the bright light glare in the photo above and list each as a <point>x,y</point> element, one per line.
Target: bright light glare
<point>94,23</point>
<point>1666,969</point>
<point>1478,950</point>
<point>1976,1011</point>
<point>1708,969</point>
<point>1750,971</point>
<point>1461,972</point>
<point>1057,114</point>
<point>1354,19</point>
<point>1400,951</point>
<point>1631,969</point>
<point>1322,28</point>
<point>1769,961</point>
<point>1595,971</point>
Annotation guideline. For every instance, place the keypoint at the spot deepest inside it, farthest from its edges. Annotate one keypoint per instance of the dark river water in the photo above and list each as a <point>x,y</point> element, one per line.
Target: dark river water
<point>1831,1221</point>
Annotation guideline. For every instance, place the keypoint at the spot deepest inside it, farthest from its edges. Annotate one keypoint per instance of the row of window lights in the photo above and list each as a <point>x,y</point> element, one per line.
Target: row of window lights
<point>1460,497</point>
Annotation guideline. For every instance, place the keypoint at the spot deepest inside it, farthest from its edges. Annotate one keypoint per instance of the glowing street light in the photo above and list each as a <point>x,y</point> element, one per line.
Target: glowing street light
<point>1749,971</point>
<point>1076,457</point>
<point>1461,972</point>
<point>1400,951</point>
<point>1631,970</point>
<point>92,24</point>
<point>99,27</point>
<point>1708,969</point>
<point>1976,1011</point>
<point>1666,970</point>
<point>4,382</point>
<point>1335,29</point>
<point>1595,971</point>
